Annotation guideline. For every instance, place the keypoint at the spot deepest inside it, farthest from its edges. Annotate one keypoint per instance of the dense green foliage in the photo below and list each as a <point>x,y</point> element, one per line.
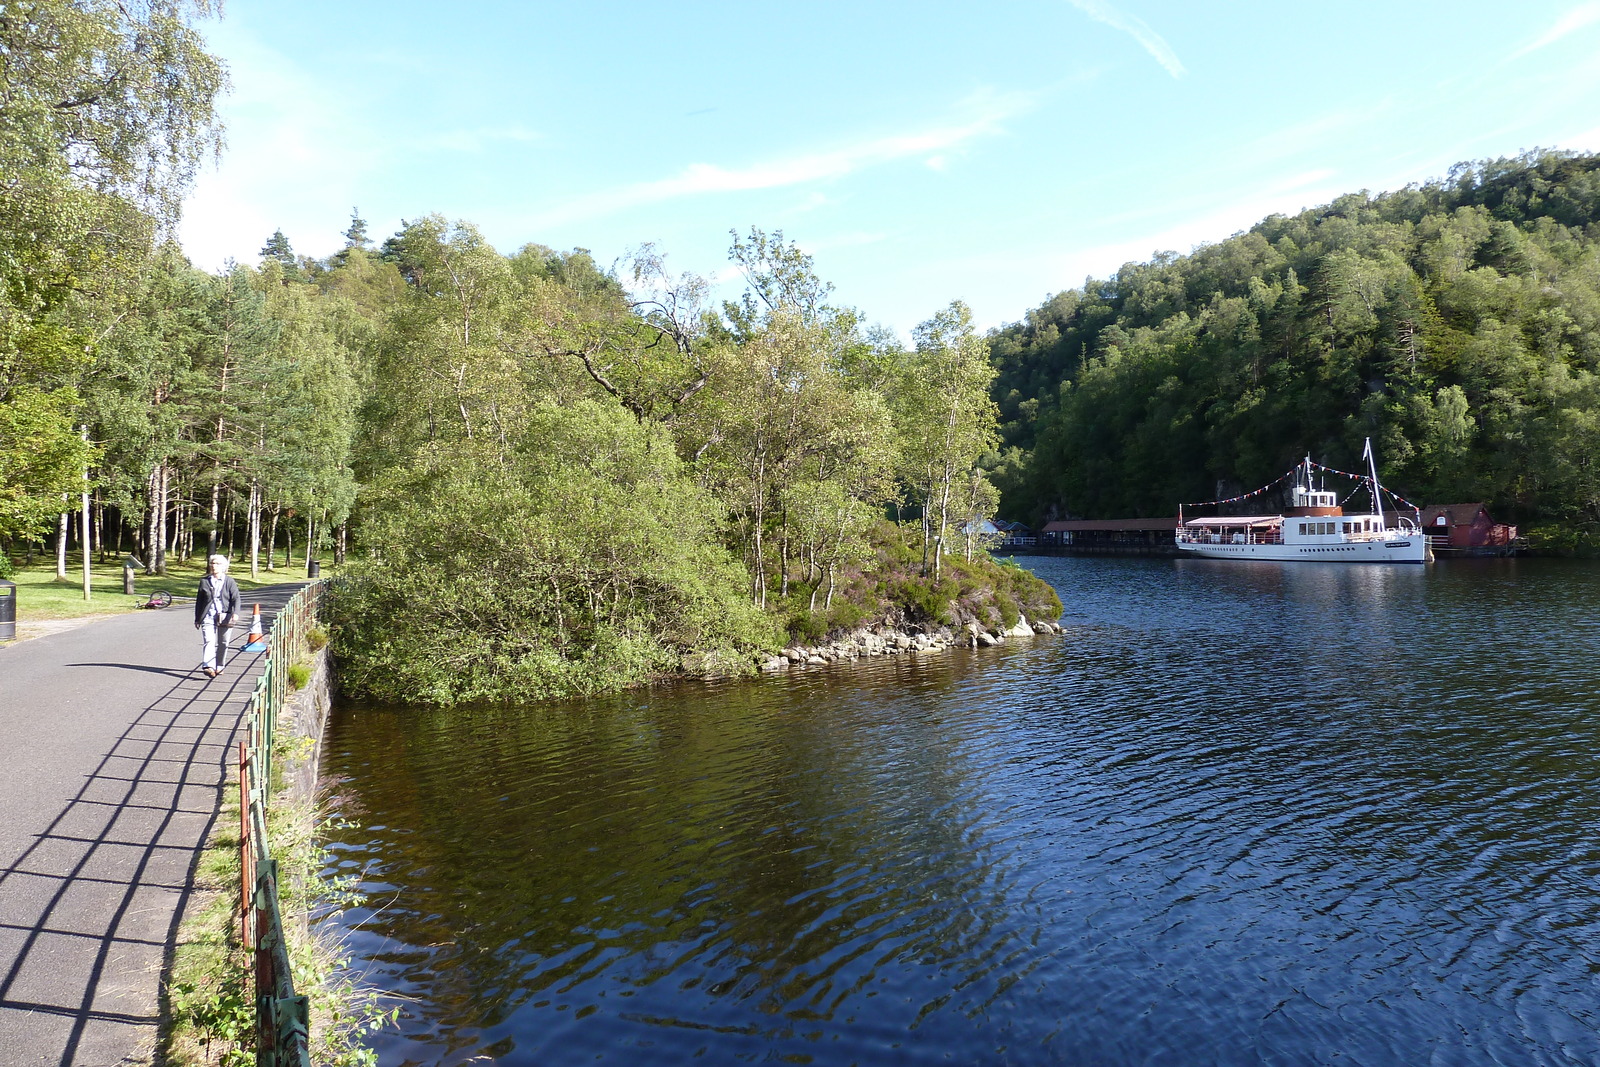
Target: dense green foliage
<point>577,560</point>
<point>105,109</point>
<point>888,585</point>
<point>1456,323</point>
<point>561,475</point>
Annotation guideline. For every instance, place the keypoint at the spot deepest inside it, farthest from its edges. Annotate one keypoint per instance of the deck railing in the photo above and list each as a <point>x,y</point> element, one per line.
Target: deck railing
<point>282,1015</point>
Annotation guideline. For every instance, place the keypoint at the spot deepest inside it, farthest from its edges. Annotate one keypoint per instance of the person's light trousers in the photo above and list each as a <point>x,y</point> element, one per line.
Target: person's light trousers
<point>214,643</point>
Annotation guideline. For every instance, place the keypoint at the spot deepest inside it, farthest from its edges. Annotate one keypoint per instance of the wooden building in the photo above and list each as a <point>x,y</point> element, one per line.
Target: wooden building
<point>1467,530</point>
<point>1122,537</point>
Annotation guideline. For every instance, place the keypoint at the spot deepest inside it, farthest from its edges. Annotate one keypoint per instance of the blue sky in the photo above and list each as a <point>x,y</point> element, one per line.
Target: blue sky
<point>922,153</point>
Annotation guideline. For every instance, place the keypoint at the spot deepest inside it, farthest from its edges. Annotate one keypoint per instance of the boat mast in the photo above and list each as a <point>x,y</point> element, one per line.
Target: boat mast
<point>1377,490</point>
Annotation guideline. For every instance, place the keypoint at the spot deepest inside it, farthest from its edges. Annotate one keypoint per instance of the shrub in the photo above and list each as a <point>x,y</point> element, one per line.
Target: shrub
<point>1009,612</point>
<point>583,562</point>
<point>1563,540</point>
<point>924,600</point>
<point>807,627</point>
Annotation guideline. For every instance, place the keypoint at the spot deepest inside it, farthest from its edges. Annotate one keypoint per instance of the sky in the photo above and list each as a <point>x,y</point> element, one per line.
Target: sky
<point>996,154</point>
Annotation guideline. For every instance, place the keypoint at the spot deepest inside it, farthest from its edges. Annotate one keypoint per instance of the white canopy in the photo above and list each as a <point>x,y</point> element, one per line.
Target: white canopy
<point>1238,520</point>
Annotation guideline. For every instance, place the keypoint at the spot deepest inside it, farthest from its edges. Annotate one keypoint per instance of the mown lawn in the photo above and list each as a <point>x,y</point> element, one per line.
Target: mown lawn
<point>41,595</point>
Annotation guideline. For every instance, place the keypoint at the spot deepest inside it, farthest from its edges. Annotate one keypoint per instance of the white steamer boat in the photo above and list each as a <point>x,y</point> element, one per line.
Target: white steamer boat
<point>1315,528</point>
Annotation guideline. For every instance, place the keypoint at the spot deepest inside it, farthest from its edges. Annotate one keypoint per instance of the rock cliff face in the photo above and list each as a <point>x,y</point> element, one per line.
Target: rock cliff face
<point>891,641</point>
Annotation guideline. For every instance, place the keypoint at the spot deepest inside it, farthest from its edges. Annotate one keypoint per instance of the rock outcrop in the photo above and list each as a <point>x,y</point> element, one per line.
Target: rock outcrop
<point>886,641</point>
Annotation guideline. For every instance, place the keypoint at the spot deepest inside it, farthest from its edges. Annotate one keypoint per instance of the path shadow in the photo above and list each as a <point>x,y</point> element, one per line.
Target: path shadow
<point>94,902</point>
<point>171,672</point>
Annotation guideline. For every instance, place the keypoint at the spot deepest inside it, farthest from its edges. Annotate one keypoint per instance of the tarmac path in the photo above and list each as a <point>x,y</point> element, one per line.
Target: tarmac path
<point>114,750</point>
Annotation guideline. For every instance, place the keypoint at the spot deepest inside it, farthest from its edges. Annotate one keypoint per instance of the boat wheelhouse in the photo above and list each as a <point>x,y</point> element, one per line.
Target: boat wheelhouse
<point>1314,528</point>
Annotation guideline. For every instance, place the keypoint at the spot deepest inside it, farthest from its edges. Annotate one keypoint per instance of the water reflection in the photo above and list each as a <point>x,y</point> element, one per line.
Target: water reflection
<point>1241,814</point>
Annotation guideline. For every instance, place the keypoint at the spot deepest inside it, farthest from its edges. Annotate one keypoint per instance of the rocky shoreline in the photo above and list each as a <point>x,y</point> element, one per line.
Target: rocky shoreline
<point>889,641</point>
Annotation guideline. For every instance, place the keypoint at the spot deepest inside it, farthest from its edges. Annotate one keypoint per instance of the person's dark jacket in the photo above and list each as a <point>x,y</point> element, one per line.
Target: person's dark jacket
<point>227,601</point>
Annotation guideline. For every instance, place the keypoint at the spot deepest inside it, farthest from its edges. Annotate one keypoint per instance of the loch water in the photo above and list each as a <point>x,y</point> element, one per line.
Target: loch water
<point>1239,813</point>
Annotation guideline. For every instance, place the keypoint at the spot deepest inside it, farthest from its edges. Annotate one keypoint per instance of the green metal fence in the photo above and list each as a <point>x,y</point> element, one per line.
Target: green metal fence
<point>282,1016</point>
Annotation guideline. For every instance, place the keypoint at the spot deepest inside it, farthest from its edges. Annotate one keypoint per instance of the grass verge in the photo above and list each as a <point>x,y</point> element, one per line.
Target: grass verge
<point>209,1016</point>
<point>42,595</point>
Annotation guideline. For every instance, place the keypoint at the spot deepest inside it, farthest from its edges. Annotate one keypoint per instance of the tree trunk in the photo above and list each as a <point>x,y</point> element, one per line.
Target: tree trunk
<point>103,516</point>
<point>216,509</point>
<point>155,561</point>
<point>163,539</point>
<point>61,546</point>
<point>253,523</point>
<point>88,534</point>
<point>272,539</point>
<point>944,519</point>
<point>178,546</point>
<point>783,553</point>
<point>760,516</point>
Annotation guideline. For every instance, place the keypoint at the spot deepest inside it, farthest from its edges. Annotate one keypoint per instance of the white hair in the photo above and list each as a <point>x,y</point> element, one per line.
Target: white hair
<point>219,562</point>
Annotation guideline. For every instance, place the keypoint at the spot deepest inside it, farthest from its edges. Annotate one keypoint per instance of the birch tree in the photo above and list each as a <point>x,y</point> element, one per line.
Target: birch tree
<point>947,421</point>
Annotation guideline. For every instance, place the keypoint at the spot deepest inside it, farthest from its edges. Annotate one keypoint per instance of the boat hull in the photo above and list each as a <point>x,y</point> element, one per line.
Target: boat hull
<point>1397,549</point>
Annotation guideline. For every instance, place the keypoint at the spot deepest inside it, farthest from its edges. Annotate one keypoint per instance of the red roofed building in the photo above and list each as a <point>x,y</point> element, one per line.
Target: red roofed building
<point>1467,530</point>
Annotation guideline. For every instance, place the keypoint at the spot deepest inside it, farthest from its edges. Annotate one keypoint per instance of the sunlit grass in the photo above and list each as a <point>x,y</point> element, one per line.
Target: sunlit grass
<point>41,595</point>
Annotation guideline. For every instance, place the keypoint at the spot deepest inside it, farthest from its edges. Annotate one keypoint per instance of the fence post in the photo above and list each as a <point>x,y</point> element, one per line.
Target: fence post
<point>282,1015</point>
<point>247,857</point>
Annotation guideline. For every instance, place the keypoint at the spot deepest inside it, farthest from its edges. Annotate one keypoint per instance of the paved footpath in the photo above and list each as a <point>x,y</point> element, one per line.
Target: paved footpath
<point>114,750</point>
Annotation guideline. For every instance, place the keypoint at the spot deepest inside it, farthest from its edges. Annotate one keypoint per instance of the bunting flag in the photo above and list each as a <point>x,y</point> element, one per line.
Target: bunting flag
<point>1235,499</point>
<point>1361,479</point>
<point>1364,479</point>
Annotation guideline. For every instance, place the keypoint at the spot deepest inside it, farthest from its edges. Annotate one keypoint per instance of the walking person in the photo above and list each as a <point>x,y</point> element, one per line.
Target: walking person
<point>216,605</point>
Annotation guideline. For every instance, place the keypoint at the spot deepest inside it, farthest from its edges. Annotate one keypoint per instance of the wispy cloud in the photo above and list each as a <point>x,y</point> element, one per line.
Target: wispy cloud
<point>978,116</point>
<point>1587,141</point>
<point>1583,15</point>
<point>279,125</point>
<point>480,139</point>
<point>1136,27</point>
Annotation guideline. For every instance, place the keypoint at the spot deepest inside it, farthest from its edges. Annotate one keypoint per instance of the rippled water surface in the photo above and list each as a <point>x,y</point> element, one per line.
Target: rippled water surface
<point>1240,813</point>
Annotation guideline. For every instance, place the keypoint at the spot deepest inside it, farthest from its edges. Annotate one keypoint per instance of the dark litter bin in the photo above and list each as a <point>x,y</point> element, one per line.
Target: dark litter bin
<point>8,610</point>
<point>314,569</point>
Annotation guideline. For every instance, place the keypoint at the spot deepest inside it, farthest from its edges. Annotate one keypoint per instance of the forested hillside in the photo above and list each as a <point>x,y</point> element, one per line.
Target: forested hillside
<point>1456,323</point>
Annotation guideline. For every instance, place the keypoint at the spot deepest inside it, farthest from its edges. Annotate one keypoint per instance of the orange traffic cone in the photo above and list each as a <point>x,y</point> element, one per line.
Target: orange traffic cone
<point>258,640</point>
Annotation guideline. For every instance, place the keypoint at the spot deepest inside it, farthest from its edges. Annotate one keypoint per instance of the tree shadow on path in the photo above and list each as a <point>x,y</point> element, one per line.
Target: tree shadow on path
<point>90,910</point>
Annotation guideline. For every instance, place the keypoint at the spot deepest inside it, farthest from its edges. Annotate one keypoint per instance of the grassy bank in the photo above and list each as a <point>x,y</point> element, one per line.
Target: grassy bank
<point>209,1013</point>
<point>42,596</point>
<point>889,589</point>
